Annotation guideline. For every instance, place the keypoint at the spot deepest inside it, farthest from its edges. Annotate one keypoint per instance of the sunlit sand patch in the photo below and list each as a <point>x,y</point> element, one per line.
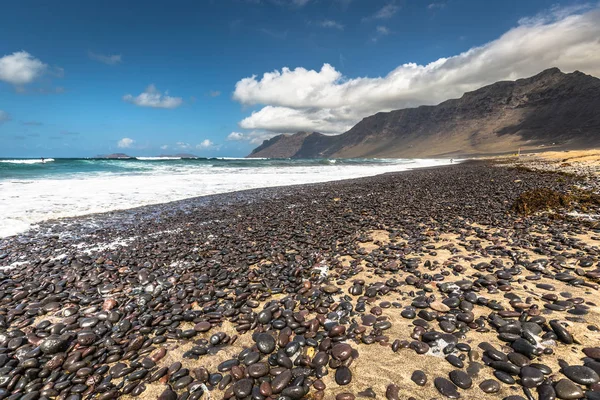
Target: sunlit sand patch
<point>379,366</point>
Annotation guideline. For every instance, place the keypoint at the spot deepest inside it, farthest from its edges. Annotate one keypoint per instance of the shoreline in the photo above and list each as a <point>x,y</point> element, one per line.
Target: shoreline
<point>370,262</point>
<point>119,220</point>
<point>62,192</point>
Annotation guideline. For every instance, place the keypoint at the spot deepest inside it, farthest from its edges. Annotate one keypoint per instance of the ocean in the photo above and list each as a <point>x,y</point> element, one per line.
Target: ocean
<point>32,191</point>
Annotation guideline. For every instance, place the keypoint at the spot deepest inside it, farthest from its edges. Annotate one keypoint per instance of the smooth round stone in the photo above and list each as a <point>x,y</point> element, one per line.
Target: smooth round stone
<point>546,392</point>
<point>561,332</point>
<point>368,392</point>
<point>592,352</point>
<point>281,381</point>
<point>546,370</point>
<point>344,396</point>
<point>567,390</point>
<point>419,377</point>
<point>258,369</point>
<point>168,394</point>
<point>455,361</point>
<point>505,367</point>
<point>461,379</point>
<point>504,377</point>
<point>392,392</point>
<point>343,376</point>
<point>581,374</point>
<point>531,377</point>
<point>54,344</point>
<point>265,343</point>
<point>439,306</point>
<point>446,388</point>
<point>242,388</point>
<point>518,359</point>
<point>203,326</point>
<point>341,351</point>
<point>490,386</point>
<point>293,392</point>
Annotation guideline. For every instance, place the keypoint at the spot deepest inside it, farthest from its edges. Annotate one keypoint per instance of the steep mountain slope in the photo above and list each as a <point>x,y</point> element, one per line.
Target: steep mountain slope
<point>549,109</point>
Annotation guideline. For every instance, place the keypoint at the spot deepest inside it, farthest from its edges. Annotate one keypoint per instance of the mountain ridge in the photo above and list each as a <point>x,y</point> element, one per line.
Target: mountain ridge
<point>550,109</point>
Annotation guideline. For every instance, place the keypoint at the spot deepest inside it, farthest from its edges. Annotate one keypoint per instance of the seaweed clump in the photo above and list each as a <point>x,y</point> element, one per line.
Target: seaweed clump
<point>544,199</point>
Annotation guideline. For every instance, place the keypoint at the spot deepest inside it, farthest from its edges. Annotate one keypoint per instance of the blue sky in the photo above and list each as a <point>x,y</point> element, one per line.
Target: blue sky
<point>81,78</point>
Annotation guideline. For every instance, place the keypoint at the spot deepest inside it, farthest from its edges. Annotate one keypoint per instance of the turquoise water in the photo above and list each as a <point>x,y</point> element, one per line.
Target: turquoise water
<point>15,168</point>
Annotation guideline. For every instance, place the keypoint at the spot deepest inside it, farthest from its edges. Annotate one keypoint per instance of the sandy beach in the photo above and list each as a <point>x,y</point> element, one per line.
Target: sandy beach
<point>423,284</point>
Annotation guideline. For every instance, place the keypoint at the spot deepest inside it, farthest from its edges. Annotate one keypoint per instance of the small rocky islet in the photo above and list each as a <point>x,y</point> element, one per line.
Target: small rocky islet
<point>416,285</point>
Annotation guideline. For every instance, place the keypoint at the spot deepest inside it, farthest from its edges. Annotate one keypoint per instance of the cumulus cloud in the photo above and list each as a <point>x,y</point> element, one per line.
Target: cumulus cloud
<point>329,23</point>
<point>164,147</point>
<point>125,143</point>
<point>327,101</point>
<point>4,117</point>
<point>205,144</point>
<point>236,137</point>
<point>153,98</point>
<point>21,68</point>
<point>106,59</point>
<point>183,145</point>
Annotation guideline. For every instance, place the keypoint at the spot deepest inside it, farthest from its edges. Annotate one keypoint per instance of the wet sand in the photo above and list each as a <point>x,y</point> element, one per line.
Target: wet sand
<point>313,266</point>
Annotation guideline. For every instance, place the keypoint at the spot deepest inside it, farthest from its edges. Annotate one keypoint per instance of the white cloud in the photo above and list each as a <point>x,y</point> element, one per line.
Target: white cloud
<point>380,31</point>
<point>125,143</point>
<point>21,68</point>
<point>106,59</point>
<point>385,12</point>
<point>433,6</point>
<point>205,144</point>
<point>183,145</point>
<point>236,137</point>
<point>326,101</point>
<point>383,30</point>
<point>555,13</point>
<point>153,98</point>
<point>257,137</point>
<point>254,137</point>
<point>4,117</point>
<point>214,93</point>
<point>329,23</point>
<point>164,147</point>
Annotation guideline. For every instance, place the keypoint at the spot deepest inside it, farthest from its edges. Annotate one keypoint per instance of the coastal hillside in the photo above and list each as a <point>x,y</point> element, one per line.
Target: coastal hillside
<point>551,109</point>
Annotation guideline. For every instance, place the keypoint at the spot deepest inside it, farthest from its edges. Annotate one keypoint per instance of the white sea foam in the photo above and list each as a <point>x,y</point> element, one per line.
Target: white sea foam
<point>24,205</point>
<point>29,161</point>
<point>157,158</point>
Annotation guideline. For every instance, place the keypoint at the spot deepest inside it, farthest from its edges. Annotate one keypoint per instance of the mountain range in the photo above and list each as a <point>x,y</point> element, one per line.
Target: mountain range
<point>551,109</point>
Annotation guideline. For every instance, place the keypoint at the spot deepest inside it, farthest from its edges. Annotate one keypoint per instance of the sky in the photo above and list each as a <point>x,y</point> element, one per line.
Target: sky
<point>216,78</point>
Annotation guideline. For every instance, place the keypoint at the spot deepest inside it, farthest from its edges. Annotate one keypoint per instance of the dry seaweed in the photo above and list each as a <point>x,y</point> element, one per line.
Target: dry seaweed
<point>545,199</point>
